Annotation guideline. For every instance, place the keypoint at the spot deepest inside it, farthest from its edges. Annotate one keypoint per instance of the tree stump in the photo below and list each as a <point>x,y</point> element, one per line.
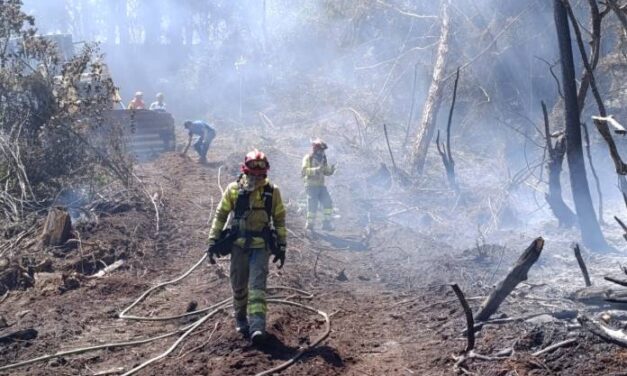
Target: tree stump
<point>57,228</point>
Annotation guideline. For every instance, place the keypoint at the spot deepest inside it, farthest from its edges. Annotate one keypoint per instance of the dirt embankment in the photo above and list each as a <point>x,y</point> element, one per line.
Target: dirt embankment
<point>384,286</point>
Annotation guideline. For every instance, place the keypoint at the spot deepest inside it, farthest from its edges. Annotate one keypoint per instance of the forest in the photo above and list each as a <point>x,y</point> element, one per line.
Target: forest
<point>447,187</point>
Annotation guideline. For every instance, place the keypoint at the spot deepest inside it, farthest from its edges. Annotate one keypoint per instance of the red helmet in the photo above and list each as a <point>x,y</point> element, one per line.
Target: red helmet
<point>256,163</point>
<point>318,144</point>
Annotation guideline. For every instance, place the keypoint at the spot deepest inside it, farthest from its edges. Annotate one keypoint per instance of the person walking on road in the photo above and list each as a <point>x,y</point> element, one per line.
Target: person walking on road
<point>314,170</point>
<point>257,231</point>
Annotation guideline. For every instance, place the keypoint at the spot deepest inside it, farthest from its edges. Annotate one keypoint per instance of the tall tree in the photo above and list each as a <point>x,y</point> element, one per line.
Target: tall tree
<point>590,230</point>
<point>434,98</point>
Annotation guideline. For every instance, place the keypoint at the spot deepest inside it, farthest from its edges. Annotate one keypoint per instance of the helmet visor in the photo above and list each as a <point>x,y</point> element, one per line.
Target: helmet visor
<point>257,165</point>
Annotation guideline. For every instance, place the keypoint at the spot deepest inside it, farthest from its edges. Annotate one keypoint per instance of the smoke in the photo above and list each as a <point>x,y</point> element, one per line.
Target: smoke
<point>303,63</point>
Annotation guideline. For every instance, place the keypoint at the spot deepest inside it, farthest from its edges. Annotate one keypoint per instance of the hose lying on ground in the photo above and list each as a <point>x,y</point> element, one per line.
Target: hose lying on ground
<point>188,329</point>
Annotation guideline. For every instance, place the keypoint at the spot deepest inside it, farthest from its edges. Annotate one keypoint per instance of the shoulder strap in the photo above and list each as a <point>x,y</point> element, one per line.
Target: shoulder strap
<point>268,192</point>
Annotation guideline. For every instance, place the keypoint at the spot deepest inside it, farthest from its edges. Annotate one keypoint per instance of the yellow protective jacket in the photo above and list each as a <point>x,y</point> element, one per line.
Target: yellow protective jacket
<point>255,220</point>
<point>314,170</point>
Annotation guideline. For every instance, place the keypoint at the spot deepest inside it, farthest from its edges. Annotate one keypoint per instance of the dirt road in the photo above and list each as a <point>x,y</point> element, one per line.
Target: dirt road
<point>384,288</point>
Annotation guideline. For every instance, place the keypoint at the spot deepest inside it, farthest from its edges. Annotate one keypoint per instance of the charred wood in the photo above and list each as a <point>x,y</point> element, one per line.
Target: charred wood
<point>610,335</point>
<point>20,335</point>
<point>517,274</point>
<point>588,224</point>
<point>562,212</point>
<point>57,227</point>
<point>582,265</point>
<point>445,150</point>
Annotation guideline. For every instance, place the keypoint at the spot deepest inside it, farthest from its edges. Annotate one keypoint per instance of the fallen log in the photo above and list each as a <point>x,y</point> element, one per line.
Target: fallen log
<point>517,274</point>
<point>614,336</point>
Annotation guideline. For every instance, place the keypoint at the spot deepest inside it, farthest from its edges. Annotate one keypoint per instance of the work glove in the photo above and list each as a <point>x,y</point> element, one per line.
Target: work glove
<point>211,251</point>
<point>280,256</point>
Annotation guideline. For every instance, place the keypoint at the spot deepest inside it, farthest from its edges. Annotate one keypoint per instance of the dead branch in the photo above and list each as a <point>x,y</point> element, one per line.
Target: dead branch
<point>624,229</point>
<point>108,269</point>
<point>406,13</point>
<point>387,140</point>
<point>517,274</point>
<point>615,280</point>
<point>554,346</point>
<point>616,337</point>
<point>582,265</point>
<point>494,39</point>
<point>445,151</point>
<point>470,322</point>
<point>619,13</point>
<point>20,335</point>
<point>602,126</point>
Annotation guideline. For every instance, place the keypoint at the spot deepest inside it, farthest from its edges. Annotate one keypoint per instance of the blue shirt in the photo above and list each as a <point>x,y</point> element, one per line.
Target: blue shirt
<point>201,129</point>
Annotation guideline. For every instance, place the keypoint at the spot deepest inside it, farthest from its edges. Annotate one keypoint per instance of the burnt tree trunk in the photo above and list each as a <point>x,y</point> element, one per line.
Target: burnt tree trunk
<point>590,230</point>
<point>562,212</point>
<point>434,97</point>
<point>57,228</point>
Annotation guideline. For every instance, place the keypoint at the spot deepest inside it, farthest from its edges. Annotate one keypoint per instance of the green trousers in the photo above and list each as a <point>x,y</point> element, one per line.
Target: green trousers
<point>249,273</point>
<point>319,196</point>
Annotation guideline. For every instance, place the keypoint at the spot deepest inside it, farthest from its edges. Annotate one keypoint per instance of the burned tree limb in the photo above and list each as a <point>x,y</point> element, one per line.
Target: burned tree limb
<point>602,126</point>
<point>445,150</point>
<point>20,335</point>
<point>624,229</point>
<point>432,103</point>
<point>387,140</point>
<point>616,337</point>
<point>562,212</point>
<point>469,352</point>
<point>619,13</point>
<point>582,265</point>
<point>470,321</point>
<point>517,274</point>
<point>615,280</point>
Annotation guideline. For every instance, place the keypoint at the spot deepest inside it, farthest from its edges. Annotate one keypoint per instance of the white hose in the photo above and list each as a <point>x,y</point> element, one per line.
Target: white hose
<point>187,330</point>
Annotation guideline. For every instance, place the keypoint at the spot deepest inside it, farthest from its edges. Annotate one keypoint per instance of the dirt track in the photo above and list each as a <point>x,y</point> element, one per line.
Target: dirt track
<point>391,314</point>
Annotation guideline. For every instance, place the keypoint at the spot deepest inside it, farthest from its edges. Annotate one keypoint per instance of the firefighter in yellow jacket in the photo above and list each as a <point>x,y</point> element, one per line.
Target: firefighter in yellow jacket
<point>257,231</point>
<point>315,168</point>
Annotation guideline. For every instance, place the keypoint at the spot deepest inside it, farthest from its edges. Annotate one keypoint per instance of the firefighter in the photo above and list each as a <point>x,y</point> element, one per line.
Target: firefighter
<point>137,103</point>
<point>205,134</point>
<point>257,231</point>
<point>159,104</point>
<point>315,168</point>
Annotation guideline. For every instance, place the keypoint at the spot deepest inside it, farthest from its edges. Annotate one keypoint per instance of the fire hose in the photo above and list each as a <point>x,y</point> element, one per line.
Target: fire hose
<point>188,329</point>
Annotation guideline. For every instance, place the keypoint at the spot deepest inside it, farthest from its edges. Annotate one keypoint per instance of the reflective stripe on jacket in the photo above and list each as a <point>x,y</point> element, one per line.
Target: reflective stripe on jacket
<point>314,170</point>
<point>255,220</point>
